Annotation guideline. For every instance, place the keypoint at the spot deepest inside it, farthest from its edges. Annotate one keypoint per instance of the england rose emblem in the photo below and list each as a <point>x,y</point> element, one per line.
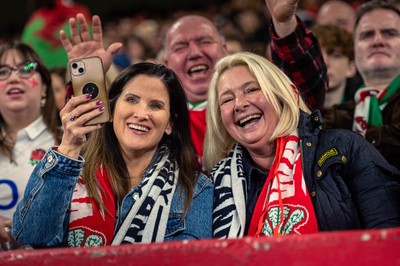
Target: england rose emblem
<point>36,156</point>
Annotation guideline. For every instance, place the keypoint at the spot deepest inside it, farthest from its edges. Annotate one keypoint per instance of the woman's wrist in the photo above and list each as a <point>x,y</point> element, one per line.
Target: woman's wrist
<point>67,151</point>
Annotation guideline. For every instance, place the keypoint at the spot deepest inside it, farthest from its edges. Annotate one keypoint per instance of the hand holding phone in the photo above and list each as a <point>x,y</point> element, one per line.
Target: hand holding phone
<point>87,76</point>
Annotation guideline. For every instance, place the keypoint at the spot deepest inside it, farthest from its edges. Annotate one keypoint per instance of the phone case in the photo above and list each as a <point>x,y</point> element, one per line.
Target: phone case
<point>87,76</point>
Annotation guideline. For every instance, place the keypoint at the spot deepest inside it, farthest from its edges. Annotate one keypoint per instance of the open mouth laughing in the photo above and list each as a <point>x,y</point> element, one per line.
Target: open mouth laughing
<point>198,70</point>
<point>249,119</point>
<point>138,127</point>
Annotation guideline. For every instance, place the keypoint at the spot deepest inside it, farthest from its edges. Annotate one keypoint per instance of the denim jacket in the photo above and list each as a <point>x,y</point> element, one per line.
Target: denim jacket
<point>42,217</point>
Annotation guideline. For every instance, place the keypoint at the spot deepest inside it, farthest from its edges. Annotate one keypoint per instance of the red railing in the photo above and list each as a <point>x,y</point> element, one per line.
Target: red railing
<point>373,247</point>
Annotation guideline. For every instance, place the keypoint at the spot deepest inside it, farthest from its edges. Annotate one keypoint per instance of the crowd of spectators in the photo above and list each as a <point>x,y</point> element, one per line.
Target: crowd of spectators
<point>246,22</point>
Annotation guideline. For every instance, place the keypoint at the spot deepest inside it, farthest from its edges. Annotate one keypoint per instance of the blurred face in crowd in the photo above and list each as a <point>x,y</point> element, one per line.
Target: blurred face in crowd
<point>193,46</point>
<point>339,68</point>
<point>20,92</point>
<point>233,46</point>
<point>58,86</point>
<point>337,13</point>
<point>377,45</point>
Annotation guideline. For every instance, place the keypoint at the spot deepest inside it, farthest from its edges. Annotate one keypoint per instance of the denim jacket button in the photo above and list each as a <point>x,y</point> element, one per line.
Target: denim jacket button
<point>49,158</point>
<point>135,196</point>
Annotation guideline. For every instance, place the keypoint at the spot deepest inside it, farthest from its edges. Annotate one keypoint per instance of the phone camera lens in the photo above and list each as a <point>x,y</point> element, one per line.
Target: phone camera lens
<point>81,70</point>
<point>91,88</point>
<point>74,65</point>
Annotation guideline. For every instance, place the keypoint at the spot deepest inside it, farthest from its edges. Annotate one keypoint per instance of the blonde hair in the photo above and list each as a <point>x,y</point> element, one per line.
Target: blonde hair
<point>280,92</point>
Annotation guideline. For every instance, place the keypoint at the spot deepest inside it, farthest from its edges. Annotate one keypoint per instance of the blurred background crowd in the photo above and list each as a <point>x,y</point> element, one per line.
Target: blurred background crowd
<point>140,24</point>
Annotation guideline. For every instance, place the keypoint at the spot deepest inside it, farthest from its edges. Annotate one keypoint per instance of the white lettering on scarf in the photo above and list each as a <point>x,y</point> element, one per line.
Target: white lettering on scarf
<point>80,205</point>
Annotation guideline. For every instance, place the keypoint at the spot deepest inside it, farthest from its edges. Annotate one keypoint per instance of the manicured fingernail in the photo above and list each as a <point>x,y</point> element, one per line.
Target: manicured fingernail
<point>89,96</point>
<point>99,102</point>
<point>101,109</point>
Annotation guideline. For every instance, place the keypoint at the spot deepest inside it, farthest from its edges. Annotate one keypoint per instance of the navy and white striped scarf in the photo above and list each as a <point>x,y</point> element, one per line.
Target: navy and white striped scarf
<point>147,219</point>
<point>229,215</point>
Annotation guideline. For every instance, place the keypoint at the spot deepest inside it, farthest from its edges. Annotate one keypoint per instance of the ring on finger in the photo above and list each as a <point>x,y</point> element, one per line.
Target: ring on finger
<point>73,117</point>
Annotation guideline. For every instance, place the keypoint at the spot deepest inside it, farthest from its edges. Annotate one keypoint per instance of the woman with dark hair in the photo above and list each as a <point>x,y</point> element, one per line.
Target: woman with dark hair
<point>28,123</point>
<point>135,179</point>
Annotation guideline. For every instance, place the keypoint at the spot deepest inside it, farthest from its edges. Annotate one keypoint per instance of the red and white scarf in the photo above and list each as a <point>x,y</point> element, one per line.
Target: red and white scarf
<point>145,222</point>
<point>284,205</point>
<point>369,105</point>
<point>88,224</point>
<point>366,103</point>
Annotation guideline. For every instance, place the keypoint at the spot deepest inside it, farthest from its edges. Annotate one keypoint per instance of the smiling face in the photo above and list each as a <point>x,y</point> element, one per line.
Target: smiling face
<point>20,95</point>
<point>246,114</point>
<point>142,115</point>
<point>193,46</point>
<point>377,45</point>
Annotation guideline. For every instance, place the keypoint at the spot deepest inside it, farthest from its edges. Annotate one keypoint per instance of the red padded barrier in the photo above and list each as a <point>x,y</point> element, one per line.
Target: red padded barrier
<point>373,247</point>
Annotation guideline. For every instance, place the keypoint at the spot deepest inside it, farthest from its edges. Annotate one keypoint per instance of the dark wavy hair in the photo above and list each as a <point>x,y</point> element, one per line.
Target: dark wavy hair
<point>49,110</point>
<point>102,148</point>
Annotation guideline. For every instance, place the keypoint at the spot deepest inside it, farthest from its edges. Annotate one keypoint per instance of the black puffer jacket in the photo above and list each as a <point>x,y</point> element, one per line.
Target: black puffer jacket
<point>351,185</point>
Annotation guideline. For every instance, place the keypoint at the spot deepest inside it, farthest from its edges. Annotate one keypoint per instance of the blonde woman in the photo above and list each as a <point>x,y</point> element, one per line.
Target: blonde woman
<point>276,172</point>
